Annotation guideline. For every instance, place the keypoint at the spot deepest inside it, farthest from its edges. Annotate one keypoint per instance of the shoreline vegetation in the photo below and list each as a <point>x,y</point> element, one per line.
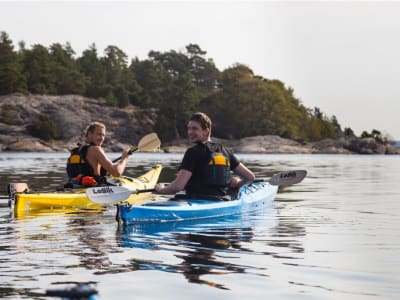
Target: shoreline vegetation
<point>48,95</point>
<point>43,123</point>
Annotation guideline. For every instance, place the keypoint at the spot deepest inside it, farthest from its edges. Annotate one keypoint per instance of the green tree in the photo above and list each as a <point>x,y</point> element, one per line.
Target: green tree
<point>123,86</point>
<point>44,128</point>
<point>153,80</point>
<point>175,63</point>
<point>348,132</point>
<point>67,77</point>
<point>12,78</point>
<point>204,72</point>
<point>179,96</point>
<point>180,101</point>
<point>320,126</point>
<point>39,69</point>
<point>247,105</point>
<point>93,69</point>
<point>376,135</point>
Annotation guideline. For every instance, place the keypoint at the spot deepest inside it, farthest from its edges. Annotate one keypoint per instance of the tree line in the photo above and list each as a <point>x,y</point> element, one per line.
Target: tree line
<point>176,84</point>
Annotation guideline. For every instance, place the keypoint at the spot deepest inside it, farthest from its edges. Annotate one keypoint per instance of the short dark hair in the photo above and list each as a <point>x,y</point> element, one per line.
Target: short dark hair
<point>202,119</point>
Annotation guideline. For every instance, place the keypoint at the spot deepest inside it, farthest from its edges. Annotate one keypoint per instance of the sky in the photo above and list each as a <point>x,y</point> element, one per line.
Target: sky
<point>340,56</point>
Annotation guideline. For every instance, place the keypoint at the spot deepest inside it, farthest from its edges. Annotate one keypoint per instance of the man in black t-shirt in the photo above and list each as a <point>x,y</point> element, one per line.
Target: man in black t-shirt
<point>205,168</point>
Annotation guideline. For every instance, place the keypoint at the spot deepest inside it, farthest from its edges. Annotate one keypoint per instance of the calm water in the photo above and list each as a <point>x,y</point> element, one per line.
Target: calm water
<point>334,236</point>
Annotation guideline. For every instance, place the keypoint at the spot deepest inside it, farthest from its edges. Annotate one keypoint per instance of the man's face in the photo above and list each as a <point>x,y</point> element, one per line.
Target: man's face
<point>196,133</point>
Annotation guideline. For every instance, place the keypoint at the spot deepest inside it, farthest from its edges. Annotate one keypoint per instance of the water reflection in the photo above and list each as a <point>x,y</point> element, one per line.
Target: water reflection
<point>334,236</point>
<point>198,244</point>
<point>93,248</point>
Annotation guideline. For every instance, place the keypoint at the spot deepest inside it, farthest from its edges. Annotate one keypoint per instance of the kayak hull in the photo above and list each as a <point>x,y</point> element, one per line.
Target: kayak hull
<point>251,197</point>
<point>77,199</point>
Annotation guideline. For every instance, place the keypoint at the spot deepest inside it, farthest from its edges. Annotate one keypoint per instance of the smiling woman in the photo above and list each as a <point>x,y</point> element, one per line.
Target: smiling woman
<point>92,162</point>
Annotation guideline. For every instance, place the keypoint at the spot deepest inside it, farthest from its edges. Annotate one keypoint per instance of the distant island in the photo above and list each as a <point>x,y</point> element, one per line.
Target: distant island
<point>27,122</point>
<point>48,95</point>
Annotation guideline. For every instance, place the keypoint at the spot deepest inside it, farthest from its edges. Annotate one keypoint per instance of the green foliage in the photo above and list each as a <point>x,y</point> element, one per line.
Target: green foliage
<point>376,135</point>
<point>65,72</point>
<point>348,132</point>
<point>38,68</point>
<point>153,79</point>
<point>8,113</point>
<point>12,78</point>
<point>45,128</point>
<point>175,84</point>
<point>247,105</point>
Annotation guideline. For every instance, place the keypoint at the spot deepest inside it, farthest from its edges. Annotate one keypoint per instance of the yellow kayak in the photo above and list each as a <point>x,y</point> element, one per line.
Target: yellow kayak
<point>76,198</point>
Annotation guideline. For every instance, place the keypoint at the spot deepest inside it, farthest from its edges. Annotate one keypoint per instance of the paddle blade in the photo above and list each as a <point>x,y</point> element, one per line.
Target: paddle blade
<point>106,195</point>
<point>288,178</point>
<point>149,142</point>
<point>18,187</point>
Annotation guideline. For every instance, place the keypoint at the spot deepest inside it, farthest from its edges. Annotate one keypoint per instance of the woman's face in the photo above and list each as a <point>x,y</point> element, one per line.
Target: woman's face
<point>97,136</point>
<point>196,133</point>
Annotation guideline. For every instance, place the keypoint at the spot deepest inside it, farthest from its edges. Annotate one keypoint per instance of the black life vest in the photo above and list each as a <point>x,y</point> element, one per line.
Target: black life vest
<point>77,164</point>
<point>217,171</point>
<point>79,170</point>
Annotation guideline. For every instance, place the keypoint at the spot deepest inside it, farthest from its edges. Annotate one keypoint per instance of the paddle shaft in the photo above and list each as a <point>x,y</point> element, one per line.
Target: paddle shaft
<point>133,149</point>
<point>143,191</point>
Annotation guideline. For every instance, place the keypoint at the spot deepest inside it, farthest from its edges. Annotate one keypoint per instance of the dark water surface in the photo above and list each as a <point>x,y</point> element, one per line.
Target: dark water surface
<point>334,236</point>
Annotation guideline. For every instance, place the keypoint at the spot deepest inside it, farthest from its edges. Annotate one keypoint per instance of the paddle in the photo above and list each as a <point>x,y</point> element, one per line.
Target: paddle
<point>285,178</point>
<point>108,195</point>
<point>13,188</point>
<point>111,194</point>
<point>147,143</point>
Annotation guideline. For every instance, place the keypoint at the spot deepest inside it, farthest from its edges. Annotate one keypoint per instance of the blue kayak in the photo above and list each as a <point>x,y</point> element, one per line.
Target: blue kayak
<point>251,197</point>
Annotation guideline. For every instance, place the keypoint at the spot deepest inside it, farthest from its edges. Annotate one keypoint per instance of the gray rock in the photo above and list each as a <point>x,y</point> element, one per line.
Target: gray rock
<point>125,126</point>
<point>269,144</point>
<point>71,114</point>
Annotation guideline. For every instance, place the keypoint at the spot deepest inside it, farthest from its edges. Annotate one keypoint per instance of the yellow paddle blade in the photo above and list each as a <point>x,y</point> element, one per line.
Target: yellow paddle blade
<point>149,142</point>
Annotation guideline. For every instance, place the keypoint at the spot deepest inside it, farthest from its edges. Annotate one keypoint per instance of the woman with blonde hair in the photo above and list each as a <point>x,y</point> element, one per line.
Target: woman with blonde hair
<point>89,160</point>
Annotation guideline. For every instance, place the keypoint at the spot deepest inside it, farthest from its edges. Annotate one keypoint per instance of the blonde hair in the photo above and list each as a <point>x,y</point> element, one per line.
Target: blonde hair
<point>92,126</point>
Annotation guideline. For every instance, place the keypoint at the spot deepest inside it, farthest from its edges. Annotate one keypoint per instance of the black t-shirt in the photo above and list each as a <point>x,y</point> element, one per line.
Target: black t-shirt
<point>195,159</point>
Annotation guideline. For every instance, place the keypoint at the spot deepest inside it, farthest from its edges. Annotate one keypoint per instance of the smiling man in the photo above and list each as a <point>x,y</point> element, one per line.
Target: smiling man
<point>205,170</point>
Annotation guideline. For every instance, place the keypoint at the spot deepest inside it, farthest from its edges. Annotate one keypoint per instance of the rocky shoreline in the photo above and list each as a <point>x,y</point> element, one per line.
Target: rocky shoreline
<point>271,144</point>
<point>125,127</point>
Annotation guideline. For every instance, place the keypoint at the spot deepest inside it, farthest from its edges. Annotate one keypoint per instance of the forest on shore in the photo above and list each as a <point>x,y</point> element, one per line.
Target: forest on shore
<point>174,84</point>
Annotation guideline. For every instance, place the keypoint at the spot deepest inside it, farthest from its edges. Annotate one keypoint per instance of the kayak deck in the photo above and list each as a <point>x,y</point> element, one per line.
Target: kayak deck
<point>251,197</point>
<point>77,199</point>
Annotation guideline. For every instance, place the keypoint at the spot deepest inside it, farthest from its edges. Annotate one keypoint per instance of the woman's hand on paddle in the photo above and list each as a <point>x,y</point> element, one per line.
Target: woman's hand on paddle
<point>125,154</point>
